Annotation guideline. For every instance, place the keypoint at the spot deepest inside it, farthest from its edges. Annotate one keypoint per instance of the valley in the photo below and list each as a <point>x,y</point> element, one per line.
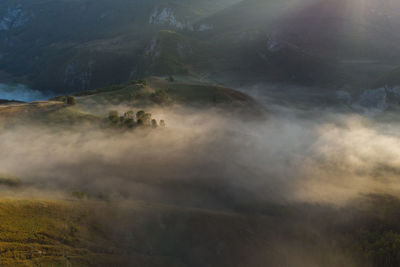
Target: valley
<point>199,133</point>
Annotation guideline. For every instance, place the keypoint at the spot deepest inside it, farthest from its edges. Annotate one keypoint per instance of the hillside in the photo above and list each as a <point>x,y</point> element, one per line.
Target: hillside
<point>173,92</point>
<point>98,233</point>
<point>87,44</point>
<point>155,92</point>
<point>308,41</point>
<point>44,112</point>
<point>98,43</point>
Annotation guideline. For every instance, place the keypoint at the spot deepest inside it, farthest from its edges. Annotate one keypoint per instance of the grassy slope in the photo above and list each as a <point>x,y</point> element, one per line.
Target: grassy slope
<point>44,112</point>
<point>204,93</point>
<point>179,92</point>
<point>60,233</point>
<point>39,233</point>
<point>91,104</point>
<point>91,233</point>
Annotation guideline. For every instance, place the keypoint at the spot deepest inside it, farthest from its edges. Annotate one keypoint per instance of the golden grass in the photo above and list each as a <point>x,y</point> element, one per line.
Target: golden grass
<point>48,233</point>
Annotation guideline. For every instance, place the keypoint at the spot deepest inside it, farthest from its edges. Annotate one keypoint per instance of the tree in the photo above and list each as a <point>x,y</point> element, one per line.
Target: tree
<point>171,79</point>
<point>113,116</point>
<point>129,115</point>
<point>70,100</point>
<point>146,119</point>
<point>143,118</point>
<point>140,114</point>
<point>162,123</point>
<point>154,123</point>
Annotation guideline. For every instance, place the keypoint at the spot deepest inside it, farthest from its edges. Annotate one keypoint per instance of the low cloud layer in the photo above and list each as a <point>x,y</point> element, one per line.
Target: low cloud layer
<point>211,160</point>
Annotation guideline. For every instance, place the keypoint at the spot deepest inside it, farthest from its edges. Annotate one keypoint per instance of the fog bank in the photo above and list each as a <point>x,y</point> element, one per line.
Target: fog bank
<point>207,159</point>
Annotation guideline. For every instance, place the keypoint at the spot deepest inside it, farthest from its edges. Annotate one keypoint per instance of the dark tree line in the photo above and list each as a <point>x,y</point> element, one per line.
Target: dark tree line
<point>130,120</point>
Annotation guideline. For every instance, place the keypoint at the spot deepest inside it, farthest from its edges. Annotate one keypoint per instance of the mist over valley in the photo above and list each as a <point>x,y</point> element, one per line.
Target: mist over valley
<point>199,133</point>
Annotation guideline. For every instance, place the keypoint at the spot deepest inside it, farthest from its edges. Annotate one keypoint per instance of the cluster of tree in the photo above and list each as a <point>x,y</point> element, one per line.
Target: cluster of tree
<point>67,99</point>
<point>130,120</point>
